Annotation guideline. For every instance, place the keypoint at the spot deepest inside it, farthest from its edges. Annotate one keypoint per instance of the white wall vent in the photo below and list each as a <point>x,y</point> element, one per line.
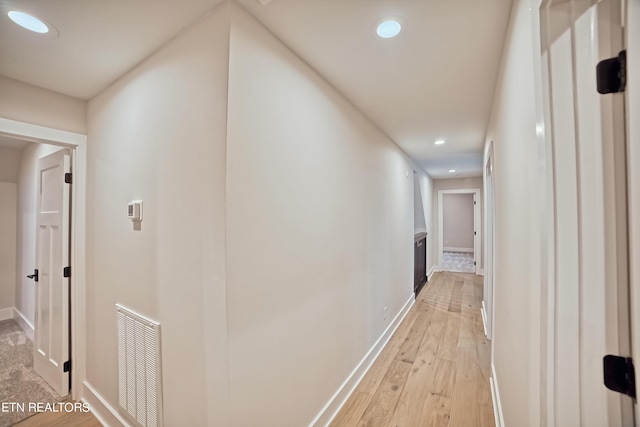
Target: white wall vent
<point>140,387</point>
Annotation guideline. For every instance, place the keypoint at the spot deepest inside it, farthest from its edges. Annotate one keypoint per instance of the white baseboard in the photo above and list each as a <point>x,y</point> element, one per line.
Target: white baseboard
<point>6,313</point>
<point>431,272</point>
<point>14,313</point>
<point>24,323</point>
<point>480,272</point>
<point>495,396</point>
<point>99,407</point>
<point>452,249</point>
<point>484,319</point>
<point>333,406</point>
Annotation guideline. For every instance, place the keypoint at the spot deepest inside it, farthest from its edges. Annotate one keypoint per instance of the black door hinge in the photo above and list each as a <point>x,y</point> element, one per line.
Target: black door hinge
<point>474,263</point>
<point>66,272</point>
<point>66,367</point>
<point>619,374</point>
<point>68,178</point>
<point>611,74</point>
<point>474,233</point>
<point>34,276</point>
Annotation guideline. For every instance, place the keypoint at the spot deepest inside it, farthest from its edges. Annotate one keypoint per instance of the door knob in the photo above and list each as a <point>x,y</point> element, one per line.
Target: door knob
<point>34,276</point>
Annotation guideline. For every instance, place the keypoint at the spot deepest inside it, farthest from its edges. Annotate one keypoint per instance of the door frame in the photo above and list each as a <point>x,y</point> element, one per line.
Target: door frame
<point>78,145</point>
<point>477,247</point>
<point>489,241</point>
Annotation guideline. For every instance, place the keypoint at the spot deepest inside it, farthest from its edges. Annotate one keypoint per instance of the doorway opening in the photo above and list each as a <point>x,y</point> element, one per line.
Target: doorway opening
<point>420,275</point>
<point>34,337</point>
<point>64,215</point>
<point>459,231</point>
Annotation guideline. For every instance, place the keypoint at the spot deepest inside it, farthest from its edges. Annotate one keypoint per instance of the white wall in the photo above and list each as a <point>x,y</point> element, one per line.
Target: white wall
<point>9,164</point>
<point>419,224</point>
<point>8,195</point>
<point>455,184</point>
<point>319,237</point>
<point>516,338</point>
<point>158,134</point>
<point>457,222</point>
<point>31,104</point>
<point>25,262</point>
<point>426,186</point>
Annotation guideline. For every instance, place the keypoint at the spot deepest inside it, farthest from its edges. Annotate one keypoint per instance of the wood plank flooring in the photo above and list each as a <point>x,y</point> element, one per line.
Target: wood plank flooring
<point>435,369</point>
<point>433,372</point>
<point>61,419</point>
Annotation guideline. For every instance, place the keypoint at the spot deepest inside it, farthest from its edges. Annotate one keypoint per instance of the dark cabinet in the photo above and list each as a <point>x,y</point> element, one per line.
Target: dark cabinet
<point>420,262</point>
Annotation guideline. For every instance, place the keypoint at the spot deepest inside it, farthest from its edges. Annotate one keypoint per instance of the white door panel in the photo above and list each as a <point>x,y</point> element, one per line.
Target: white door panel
<point>633,146</point>
<point>590,284</point>
<point>51,349</point>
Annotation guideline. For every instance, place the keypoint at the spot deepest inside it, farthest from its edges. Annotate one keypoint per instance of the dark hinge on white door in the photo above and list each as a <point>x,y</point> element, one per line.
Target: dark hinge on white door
<point>611,74</point>
<point>619,374</point>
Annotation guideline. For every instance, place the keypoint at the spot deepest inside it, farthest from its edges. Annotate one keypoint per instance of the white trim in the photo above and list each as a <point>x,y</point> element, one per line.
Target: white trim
<point>480,272</point>
<point>495,397</point>
<point>433,270</point>
<point>340,397</point>
<point>6,313</point>
<point>99,407</point>
<point>477,249</point>
<point>42,134</point>
<point>488,251</point>
<point>483,311</point>
<point>450,249</point>
<point>24,323</point>
<point>77,142</point>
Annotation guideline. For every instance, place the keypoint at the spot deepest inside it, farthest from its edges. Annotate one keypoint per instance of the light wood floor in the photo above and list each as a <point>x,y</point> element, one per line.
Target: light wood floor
<point>435,369</point>
<point>61,419</point>
<point>433,372</point>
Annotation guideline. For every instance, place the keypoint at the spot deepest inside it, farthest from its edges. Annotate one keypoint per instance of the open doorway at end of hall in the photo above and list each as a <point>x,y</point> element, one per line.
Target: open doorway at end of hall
<point>459,230</point>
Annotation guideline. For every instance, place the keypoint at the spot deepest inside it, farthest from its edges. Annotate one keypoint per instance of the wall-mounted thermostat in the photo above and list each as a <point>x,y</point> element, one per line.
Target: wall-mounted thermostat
<point>134,210</point>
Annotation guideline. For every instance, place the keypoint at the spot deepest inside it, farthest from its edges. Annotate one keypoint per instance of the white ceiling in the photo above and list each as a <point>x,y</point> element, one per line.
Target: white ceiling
<point>435,80</point>
<point>97,42</point>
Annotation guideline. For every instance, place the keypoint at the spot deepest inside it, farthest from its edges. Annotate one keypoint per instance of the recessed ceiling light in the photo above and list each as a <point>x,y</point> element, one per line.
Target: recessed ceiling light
<point>27,21</point>
<point>452,170</point>
<point>389,28</point>
<point>439,142</point>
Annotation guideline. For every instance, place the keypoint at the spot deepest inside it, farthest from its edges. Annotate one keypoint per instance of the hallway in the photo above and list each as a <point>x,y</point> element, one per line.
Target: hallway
<point>435,369</point>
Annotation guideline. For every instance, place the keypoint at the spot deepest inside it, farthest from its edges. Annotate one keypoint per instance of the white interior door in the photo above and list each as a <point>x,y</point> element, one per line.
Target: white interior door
<point>51,349</point>
<point>590,285</point>
<point>633,139</point>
